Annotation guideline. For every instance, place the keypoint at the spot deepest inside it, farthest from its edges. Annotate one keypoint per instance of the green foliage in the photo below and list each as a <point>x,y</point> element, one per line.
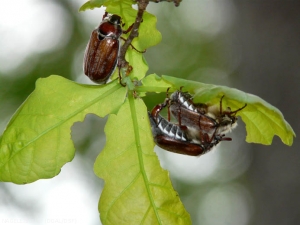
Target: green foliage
<point>262,120</point>
<point>137,190</point>
<point>37,141</point>
<point>108,3</point>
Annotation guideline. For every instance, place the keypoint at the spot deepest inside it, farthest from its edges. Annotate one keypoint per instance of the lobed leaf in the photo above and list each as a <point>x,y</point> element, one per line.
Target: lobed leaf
<point>148,34</point>
<point>98,3</point>
<point>124,9</point>
<point>92,4</point>
<point>262,120</point>
<point>37,140</point>
<point>137,190</point>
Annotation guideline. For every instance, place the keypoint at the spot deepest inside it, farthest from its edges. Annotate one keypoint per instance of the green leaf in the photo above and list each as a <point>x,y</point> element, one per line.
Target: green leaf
<point>137,190</point>
<point>98,3</point>
<point>148,34</point>
<point>124,9</point>
<point>92,4</point>
<point>139,66</point>
<point>37,140</point>
<point>154,83</point>
<point>263,121</point>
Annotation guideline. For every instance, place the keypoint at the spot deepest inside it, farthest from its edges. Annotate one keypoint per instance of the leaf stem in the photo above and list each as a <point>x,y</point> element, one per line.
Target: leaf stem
<point>155,89</point>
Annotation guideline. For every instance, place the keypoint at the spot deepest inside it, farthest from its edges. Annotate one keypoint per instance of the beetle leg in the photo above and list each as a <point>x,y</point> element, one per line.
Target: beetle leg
<point>179,116</point>
<point>105,15</point>
<point>168,103</point>
<point>128,30</point>
<point>156,110</point>
<point>124,39</point>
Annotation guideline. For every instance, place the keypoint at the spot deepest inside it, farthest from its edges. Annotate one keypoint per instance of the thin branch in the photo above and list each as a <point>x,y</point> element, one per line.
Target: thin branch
<point>142,5</point>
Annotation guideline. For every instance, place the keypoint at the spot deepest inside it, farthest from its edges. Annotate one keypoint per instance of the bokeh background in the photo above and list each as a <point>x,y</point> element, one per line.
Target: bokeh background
<point>253,46</point>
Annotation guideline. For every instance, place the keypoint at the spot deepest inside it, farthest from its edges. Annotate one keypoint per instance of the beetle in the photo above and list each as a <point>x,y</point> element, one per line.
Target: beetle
<point>201,124</point>
<point>173,138</point>
<point>184,110</point>
<point>227,119</point>
<point>207,136</point>
<point>211,119</point>
<point>101,53</point>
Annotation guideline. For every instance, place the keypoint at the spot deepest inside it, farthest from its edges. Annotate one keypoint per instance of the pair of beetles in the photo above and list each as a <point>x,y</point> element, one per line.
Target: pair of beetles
<point>199,127</point>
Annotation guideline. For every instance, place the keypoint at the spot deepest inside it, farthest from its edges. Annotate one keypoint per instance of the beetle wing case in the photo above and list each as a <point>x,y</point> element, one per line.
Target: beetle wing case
<point>193,119</point>
<point>100,58</point>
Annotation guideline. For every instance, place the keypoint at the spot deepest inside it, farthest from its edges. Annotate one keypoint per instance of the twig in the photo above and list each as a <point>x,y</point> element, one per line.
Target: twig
<point>142,5</point>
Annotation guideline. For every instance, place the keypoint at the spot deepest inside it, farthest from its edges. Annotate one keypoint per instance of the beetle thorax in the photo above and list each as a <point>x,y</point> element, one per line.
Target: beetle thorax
<point>109,30</point>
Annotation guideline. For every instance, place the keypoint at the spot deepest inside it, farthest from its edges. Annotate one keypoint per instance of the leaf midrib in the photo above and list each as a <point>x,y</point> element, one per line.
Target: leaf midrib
<point>139,152</point>
<point>85,106</point>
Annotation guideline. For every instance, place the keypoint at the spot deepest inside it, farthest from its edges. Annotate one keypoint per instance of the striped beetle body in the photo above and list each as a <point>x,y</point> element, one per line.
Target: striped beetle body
<point>101,54</point>
<point>200,127</point>
<point>209,119</point>
<point>173,138</point>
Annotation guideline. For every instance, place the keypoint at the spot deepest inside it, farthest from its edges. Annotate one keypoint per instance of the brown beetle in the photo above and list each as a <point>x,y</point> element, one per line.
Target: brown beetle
<point>206,136</point>
<point>201,124</point>
<point>176,139</point>
<point>101,54</point>
<point>201,116</point>
<point>187,114</point>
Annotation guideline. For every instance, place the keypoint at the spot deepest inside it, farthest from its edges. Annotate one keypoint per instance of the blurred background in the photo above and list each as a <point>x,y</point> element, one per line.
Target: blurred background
<point>253,46</point>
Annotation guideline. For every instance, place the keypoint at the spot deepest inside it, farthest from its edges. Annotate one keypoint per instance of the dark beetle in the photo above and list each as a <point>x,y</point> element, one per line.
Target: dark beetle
<point>205,138</point>
<point>209,119</point>
<point>173,138</point>
<point>187,114</point>
<point>200,127</point>
<point>101,54</point>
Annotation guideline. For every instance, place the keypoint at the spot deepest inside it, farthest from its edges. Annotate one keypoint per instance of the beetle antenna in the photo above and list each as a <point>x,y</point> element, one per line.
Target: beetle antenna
<point>221,101</point>
<point>234,112</point>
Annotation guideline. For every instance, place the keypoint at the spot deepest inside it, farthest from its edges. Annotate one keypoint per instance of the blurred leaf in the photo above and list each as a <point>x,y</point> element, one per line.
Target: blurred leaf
<point>92,4</point>
<point>37,140</point>
<point>123,9</point>
<point>108,3</point>
<point>262,120</point>
<point>137,190</point>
